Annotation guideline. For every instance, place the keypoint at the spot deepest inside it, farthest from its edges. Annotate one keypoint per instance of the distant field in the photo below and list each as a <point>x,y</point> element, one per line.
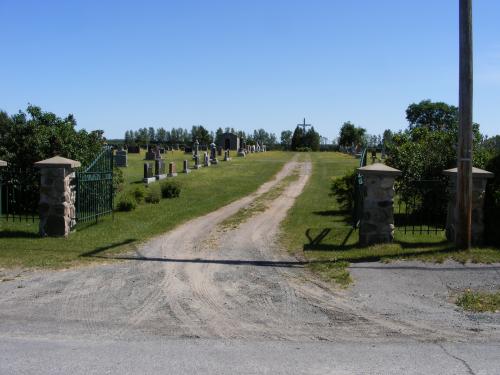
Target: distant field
<point>203,191</point>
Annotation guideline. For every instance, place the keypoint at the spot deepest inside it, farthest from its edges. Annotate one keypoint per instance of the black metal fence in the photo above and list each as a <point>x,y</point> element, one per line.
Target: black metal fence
<point>421,206</point>
<point>19,193</point>
<point>94,188</point>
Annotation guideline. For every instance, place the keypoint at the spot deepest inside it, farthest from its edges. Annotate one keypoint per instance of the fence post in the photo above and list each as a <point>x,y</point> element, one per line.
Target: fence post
<point>57,196</point>
<point>3,164</point>
<point>377,218</point>
<point>479,179</point>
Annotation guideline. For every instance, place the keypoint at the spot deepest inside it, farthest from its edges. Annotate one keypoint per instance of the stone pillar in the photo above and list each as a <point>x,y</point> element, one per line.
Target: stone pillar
<point>377,219</point>
<point>479,179</point>
<point>57,196</point>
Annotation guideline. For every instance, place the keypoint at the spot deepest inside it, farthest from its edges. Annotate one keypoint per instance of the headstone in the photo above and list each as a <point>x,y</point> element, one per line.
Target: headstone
<point>160,169</point>
<point>172,169</point>
<point>121,159</point>
<point>185,167</point>
<point>188,150</point>
<point>196,147</point>
<point>226,155</point>
<point>148,173</point>
<point>206,159</point>
<point>197,164</point>
<point>213,154</point>
<point>219,151</point>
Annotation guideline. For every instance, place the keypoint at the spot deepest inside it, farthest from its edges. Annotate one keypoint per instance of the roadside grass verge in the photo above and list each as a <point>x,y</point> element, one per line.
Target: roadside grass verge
<point>203,191</point>
<point>318,230</point>
<point>479,301</point>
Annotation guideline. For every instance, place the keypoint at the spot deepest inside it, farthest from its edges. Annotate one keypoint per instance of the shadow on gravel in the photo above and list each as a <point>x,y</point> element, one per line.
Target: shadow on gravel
<point>229,262</point>
<point>101,249</point>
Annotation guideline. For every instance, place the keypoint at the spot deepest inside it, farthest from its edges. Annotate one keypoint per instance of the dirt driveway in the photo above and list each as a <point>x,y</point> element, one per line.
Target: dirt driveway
<point>203,281</point>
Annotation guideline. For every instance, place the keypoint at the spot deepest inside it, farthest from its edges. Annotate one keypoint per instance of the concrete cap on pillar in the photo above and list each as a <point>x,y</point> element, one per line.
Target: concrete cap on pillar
<point>379,169</point>
<point>3,163</point>
<point>476,173</point>
<point>57,162</point>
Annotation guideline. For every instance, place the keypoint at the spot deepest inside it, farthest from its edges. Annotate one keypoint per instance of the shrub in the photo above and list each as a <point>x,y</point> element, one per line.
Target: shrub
<point>139,193</point>
<point>126,203</point>
<point>118,180</point>
<point>343,190</point>
<point>153,194</point>
<point>170,189</point>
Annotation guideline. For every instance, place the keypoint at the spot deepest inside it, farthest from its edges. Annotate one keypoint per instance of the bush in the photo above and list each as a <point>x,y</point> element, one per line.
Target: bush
<point>126,203</point>
<point>139,193</point>
<point>118,180</point>
<point>153,194</point>
<point>170,189</point>
<point>343,190</point>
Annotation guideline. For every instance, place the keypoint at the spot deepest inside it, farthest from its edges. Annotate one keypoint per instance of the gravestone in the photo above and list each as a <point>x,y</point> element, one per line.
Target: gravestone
<point>226,155</point>
<point>213,154</point>
<point>185,167</point>
<point>219,151</point>
<point>172,169</point>
<point>121,159</point>
<point>206,160</point>
<point>188,150</point>
<point>196,146</point>
<point>160,169</point>
<point>148,173</point>
<point>197,164</point>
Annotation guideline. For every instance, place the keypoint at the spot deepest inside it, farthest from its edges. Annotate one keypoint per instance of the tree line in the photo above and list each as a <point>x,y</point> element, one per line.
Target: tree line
<point>181,136</point>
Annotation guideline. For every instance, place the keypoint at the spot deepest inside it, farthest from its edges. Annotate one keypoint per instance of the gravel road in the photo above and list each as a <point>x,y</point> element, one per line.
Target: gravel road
<point>201,283</point>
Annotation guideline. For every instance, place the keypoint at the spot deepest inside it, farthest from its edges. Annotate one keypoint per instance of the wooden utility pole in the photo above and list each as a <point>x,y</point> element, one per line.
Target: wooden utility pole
<point>464,152</point>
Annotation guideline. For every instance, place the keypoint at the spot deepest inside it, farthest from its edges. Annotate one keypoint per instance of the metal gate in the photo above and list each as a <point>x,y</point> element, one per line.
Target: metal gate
<point>94,188</point>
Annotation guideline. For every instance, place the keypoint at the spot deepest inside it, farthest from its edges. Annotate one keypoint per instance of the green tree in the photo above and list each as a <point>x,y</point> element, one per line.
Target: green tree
<point>286,139</point>
<point>34,135</point>
<point>350,134</point>
<point>432,115</point>
<point>201,134</point>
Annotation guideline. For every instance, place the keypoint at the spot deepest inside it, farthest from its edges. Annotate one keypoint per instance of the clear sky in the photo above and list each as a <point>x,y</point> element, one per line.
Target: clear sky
<point>119,65</point>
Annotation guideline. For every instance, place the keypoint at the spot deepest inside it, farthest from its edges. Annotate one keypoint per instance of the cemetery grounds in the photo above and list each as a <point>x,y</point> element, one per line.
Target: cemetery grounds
<point>222,271</point>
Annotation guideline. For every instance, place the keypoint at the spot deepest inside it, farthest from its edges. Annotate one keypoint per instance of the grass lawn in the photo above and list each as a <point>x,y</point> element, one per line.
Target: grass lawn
<point>318,229</point>
<point>203,191</point>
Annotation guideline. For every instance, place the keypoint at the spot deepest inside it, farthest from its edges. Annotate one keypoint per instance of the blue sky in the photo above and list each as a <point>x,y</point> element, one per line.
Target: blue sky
<point>119,65</point>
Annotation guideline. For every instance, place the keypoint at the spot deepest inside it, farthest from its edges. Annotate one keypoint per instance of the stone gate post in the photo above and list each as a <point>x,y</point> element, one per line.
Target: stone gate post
<point>57,196</point>
<point>479,179</point>
<point>377,220</point>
